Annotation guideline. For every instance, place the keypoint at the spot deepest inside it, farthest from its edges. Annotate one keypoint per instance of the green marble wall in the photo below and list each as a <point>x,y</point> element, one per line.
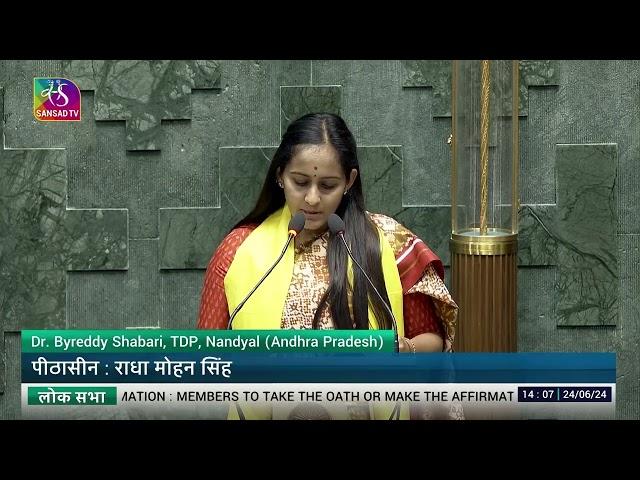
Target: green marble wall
<point>109,222</point>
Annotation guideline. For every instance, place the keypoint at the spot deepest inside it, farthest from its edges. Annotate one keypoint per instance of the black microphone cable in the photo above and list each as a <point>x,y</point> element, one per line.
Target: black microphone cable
<point>336,225</point>
<point>295,226</point>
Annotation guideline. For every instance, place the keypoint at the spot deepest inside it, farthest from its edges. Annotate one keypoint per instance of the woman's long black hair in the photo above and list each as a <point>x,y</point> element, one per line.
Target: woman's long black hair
<point>360,232</point>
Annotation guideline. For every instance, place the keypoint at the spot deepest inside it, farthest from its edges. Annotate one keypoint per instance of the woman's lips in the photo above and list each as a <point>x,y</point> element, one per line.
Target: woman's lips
<point>311,214</point>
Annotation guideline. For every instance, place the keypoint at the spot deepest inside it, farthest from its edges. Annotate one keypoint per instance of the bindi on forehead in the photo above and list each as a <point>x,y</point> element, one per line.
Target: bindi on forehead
<point>316,162</point>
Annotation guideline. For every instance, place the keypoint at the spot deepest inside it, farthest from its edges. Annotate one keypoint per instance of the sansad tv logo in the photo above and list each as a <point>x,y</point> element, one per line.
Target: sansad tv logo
<point>56,100</point>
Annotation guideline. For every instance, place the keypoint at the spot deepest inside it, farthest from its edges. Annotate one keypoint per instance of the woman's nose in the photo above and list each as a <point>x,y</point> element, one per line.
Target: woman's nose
<point>312,197</point>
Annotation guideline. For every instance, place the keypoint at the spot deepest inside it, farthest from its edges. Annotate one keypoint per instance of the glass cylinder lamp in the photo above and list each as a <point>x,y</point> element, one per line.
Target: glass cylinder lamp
<point>484,202</point>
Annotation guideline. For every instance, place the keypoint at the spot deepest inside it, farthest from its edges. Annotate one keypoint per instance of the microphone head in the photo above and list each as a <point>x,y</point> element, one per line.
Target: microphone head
<point>297,222</point>
<point>336,225</point>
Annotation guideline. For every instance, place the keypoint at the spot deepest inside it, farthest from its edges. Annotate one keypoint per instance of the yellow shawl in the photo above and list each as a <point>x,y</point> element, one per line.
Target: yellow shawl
<point>263,311</point>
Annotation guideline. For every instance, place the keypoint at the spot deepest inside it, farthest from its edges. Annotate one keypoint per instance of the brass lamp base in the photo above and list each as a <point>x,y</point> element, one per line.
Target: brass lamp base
<point>484,285</point>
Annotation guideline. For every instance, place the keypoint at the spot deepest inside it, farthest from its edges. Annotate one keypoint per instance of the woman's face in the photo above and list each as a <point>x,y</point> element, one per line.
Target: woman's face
<point>314,183</point>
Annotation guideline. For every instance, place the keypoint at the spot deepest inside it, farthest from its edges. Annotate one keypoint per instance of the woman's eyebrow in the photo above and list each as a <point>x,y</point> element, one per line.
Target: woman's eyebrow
<point>305,175</point>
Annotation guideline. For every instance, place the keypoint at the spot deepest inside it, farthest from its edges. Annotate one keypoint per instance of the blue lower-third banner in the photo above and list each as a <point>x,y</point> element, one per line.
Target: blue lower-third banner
<point>264,385</point>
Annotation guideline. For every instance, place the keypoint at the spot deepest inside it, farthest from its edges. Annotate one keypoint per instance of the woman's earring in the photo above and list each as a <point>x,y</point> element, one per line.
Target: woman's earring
<point>345,192</point>
<point>280,184</point>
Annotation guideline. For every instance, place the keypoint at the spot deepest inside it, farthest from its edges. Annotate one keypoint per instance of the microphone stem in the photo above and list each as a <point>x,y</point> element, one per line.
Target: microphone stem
<point>241,304</point>
<point>395,413</point>
<point>396,345</point>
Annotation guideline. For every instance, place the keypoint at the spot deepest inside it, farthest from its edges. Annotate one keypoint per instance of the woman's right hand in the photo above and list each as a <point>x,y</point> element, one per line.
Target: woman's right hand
<point>406,345</point>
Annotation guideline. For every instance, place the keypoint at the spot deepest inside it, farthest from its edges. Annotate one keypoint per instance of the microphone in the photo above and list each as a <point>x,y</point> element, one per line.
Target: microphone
<point>336,225</point>
<point>296,224</point>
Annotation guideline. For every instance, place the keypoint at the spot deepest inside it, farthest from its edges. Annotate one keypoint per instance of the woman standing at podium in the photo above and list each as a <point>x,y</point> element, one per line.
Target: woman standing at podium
<point>315,171</point>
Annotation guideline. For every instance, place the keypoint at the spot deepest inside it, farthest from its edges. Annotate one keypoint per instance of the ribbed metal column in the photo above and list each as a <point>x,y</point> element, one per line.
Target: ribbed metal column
<point>484,284</point>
